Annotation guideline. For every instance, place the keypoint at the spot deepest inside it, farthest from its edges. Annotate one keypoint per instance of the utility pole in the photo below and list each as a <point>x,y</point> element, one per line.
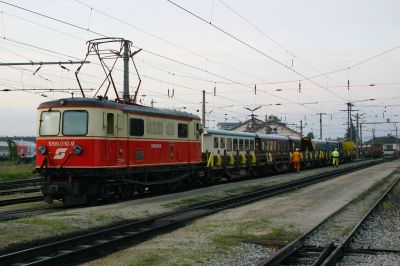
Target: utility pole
<point>266,125</point>
<point>397,142</point>
<point>204,109</point>
<point>126,95</point>
<point>358,133</point>
<point>301,128</point>
<point>320,124</point>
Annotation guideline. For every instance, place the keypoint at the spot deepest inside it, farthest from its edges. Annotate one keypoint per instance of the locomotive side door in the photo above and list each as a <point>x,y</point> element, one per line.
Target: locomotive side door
<point>183,142</point>
<point>110,147</point>
<point>121,138</point>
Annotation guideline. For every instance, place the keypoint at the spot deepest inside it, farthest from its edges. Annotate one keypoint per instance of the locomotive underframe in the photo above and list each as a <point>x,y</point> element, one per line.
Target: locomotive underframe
<point>80,186</point>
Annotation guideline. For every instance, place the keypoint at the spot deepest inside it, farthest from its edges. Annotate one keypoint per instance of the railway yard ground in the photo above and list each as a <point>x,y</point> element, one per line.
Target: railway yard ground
<point>230,237</point>
<point>12,171</point>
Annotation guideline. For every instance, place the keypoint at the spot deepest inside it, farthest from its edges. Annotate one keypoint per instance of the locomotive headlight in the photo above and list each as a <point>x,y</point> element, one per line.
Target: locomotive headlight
<point>42,150</point>
<point>77,149</point>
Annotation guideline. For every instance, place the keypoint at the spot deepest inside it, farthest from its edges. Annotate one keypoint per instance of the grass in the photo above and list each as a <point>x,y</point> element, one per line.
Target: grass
<point>155,258</point>
<point>148,259</point>
<point>377,185</point>
<point>10,171</point>
<point>243,189</point>
<point>257,230</point>
<point>191,201</point>
<point>52,225</point>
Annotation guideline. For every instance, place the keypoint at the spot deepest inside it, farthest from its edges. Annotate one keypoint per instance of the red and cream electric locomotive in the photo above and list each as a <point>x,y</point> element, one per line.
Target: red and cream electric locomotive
<point>89,148</point>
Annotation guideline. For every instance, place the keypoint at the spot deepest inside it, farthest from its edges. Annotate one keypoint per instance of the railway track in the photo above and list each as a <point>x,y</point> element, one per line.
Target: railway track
<point>23,186</point>
<point>313,249</point>
<point>20,200</point>
<point>110,238</point>
<point>21,213</point>
<point>20,183</point>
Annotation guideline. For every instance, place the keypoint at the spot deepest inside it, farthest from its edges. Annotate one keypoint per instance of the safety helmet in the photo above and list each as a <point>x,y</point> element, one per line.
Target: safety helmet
<point>335,149</point>
<point>297,149</point>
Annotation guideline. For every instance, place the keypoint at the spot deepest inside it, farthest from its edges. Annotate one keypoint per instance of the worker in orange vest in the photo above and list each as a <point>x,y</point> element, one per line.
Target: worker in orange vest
<point>296,158</point>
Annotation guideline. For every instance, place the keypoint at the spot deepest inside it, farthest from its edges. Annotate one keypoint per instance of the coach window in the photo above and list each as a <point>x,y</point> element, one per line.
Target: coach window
<point>235,144</point>
<point>222,145</point>
<point>246,145</point>
<point>252,145</point>
<point>75,123</point>
<point>182,130</point>
<point>216,143</point>
<point>136,127</point>
<point>229,144</point>
<point>241,145</point>
<point>49,123</point>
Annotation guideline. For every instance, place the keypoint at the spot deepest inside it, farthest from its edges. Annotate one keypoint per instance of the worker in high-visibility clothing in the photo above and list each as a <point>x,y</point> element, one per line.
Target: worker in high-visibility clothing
<point>296,159</point>
<point>335,158</point>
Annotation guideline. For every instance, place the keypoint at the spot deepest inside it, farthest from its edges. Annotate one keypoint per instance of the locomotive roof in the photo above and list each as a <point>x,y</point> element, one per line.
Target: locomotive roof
<point>211,131</point>
<point>92,102</point>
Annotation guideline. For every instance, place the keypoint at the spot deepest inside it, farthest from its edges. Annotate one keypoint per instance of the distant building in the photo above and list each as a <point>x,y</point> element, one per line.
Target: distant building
<point>258,126</point>
<point>227,125</point>
<point>390,145</point>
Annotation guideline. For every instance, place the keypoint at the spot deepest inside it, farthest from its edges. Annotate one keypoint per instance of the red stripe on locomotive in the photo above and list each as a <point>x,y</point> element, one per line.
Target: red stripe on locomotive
<point>117,152</point>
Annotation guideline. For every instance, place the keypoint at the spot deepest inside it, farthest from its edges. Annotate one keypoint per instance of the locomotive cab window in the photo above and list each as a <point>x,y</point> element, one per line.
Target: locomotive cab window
<point>75,123</point>
<point>49,123</point>
<point>136,127</point>
<point>182,130</point>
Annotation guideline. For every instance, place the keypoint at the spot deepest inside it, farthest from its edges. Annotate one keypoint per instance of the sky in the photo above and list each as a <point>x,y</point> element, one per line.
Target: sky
<point>293,58</point>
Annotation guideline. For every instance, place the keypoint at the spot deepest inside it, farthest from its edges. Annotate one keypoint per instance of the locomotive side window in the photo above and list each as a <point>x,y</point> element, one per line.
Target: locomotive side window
<point>136,127</point>
<point>182,130</point>
<point>110,124</point>
<point>49,123</point>
<point>75,123</point>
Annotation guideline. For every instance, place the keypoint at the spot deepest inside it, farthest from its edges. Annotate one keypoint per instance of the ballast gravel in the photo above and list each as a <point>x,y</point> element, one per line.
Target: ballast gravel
<point>381,230</point>
<point>368,260</point>
<point>242,255</point>
<point>202,241</point>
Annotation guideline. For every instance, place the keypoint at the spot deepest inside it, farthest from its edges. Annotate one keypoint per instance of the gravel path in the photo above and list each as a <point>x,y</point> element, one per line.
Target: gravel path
<point>207,241</point>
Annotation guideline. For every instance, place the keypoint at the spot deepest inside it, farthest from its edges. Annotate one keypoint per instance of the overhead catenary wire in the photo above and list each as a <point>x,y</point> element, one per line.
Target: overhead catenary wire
<point>258,88</point>
<point>252,47</point>
<point>145,50</point>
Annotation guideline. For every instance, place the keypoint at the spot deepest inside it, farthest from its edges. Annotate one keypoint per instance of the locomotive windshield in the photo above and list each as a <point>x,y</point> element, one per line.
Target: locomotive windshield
<point>49,123</point>
<point>75,123</point>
